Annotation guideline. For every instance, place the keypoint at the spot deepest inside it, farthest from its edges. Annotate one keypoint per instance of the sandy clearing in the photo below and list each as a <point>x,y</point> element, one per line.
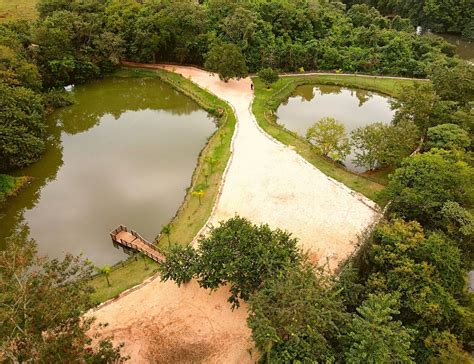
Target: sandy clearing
<point>162,323</point>
<point>268,182</point>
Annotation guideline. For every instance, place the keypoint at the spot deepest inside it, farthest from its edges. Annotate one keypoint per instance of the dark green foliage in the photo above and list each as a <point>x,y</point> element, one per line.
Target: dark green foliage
<point>454,83</point>
<point>447,136</point>
<point>298,316</point>
<point>380,145</point>
<point>227,60</point>
<point>268,76</point>
<point>375,336</point>
<point>42,304</point>
<point>417,104</point>
<point>425,182</point>
<point>21,127</point>
<point>453,16</point>
<point>180,264</point>
<point>236,253</point>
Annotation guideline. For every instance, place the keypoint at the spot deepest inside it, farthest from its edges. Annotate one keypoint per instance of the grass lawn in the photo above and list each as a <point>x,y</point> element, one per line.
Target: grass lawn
<point>267,101</point>
<point>194,212</point>
<point>17,9</point>
<point>123,276</point>
<point>10,185</point>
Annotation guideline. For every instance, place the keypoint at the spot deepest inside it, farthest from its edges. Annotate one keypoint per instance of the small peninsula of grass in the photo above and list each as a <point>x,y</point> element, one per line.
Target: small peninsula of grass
<point>9,185</point>
<point>196,207</point>
<point>267,101</point>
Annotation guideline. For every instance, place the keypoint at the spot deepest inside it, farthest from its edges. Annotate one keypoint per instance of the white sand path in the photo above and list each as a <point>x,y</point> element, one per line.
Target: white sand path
<point>268,182</point>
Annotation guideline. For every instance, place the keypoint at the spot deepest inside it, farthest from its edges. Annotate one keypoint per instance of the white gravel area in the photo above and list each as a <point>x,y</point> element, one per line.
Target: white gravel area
<point>268,182</point>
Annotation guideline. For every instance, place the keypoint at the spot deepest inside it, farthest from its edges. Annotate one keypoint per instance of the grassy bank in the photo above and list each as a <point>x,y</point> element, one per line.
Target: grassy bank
<point>17,9</point>
<point>195,210</point>
<point>267,101</point>
<point>9,185</point>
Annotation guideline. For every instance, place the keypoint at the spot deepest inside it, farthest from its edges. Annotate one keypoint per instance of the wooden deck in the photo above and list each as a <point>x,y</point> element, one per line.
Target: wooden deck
<point>132,242</point>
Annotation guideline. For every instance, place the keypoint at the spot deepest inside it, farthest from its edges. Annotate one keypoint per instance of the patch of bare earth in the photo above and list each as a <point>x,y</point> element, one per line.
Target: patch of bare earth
<point>162,323</point>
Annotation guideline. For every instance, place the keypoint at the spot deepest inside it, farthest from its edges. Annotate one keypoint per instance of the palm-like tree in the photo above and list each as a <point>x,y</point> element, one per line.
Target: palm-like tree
<point>105,270</point>
<point>166,229</point>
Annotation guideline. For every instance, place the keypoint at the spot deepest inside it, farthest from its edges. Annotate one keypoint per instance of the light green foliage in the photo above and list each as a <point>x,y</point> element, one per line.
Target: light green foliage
<point>375,336</point>
<point>447,136</point>
<point>236,253</point>
<point>424,182</point>
<point>41,308</point>
<point>268,76</point>
<point>444,348</point>
<point>424,270</point>
<point>297,316</point>
<point>227,60</point>
<point>329,138</point>
<point>381,145</point>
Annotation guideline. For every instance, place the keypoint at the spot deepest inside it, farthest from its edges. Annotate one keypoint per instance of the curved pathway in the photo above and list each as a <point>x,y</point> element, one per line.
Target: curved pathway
<point>268,182</point>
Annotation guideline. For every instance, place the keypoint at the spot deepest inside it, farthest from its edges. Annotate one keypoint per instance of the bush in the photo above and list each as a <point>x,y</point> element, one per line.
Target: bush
<point>268,76</point>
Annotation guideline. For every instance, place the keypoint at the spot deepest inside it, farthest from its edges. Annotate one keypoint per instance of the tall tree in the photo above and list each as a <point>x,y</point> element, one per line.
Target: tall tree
<point>236,253</point>
<point>329,138</point>
<point>41,308</point>
<point>227,60</point>
<point>375,336</point>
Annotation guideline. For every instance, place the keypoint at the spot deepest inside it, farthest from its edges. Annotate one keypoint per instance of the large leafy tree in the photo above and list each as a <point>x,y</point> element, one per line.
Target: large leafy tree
<point>41,306</point>
<point>379,145</point>
<point>329,138</point>
<point>227,60</point>
<point>447,136</point>
<point>22,129</point>
<point>426,271</point>
<point>298,316</point>
<point>417,104</point>
<point>235,253</point>
<point>425,182</point>
<point>454,83</point>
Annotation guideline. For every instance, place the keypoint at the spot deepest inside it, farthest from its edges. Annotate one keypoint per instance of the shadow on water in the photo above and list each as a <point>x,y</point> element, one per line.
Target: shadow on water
<point>123,153</point>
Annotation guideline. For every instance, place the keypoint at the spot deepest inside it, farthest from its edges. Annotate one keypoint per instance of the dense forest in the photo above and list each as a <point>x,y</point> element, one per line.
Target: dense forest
<point>441,16</point>
<point>402,298</point>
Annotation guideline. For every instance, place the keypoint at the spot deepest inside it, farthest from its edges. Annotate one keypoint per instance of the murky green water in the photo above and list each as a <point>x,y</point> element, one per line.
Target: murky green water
<point>352,107</point>
<point>464,47</point>
<point>123,153</point>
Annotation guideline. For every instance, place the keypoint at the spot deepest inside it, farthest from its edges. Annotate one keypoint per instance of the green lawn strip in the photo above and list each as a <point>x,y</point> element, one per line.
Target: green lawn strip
<point>194,212</point>
<point>9,185</point>
<point>267,101</point>
<point>17,9</point>
<point>123,275</point>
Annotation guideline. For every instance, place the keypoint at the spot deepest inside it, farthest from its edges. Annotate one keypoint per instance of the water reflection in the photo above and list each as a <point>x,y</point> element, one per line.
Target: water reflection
<point>352,107</point>
<point>124,153</point>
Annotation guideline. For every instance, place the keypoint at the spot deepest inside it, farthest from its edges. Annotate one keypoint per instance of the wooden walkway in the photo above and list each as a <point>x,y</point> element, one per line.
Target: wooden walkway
<point>131,241</point>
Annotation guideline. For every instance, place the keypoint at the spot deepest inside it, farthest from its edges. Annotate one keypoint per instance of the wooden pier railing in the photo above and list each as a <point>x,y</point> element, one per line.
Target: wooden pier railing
<point>131,241</point>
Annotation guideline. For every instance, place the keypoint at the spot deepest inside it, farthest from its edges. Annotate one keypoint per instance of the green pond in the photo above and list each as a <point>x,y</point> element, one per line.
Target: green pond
<point>464,47</point>
<point>352,107</point>
<point>124,153</point>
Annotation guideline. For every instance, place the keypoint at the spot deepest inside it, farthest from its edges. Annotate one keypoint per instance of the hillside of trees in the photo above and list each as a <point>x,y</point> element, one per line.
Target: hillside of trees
<point>456,16</point>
